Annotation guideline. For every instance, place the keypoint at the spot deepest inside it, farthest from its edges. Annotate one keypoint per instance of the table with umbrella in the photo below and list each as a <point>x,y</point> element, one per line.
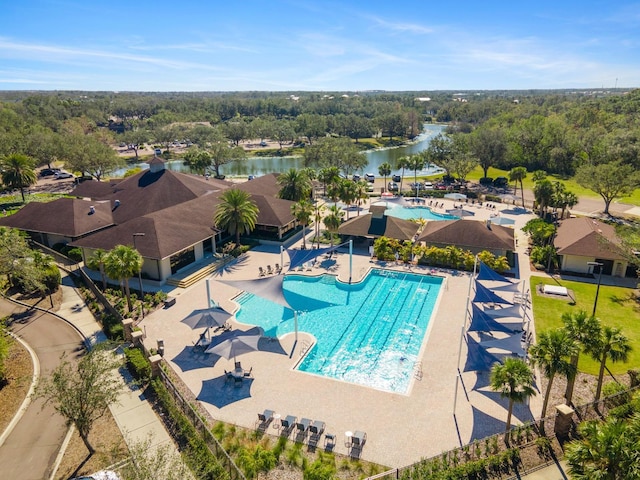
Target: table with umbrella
<point>232,347</point>
<point>207,318</point>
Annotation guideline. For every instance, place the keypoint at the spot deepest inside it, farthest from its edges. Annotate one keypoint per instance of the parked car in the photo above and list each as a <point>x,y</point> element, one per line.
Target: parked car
<point>396,178</point>
<point>59,175</point>
<point>356,177</point>
<point>416,186</point>
<point>428,186</point>
<point>157,151</point>
<point>47,172</point>
<point>263,143</point>
<point>370,177</point>
<point>393,187</point>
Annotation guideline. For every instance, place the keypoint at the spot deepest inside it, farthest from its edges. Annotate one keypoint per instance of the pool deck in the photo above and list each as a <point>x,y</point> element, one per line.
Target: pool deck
<point>401,429</point>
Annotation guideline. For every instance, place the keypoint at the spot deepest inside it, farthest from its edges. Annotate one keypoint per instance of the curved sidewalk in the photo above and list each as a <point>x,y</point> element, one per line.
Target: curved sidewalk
<point>132,412</point>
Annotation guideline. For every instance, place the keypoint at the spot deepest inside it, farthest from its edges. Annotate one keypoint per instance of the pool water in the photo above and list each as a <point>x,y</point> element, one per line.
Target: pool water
<point>368,333</point>
<point>414,213</point>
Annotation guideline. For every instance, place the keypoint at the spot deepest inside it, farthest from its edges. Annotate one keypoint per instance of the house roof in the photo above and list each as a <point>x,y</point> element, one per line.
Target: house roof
<point>94,189</point>
<point>372,225</point>
<point>263,185</point>
<point>468,233</point>
<point>69,217</point>
<point>587,237</point>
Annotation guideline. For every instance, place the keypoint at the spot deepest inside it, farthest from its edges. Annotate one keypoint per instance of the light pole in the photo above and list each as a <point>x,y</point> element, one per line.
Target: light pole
<point>139,272</point>
<point>595,302</point>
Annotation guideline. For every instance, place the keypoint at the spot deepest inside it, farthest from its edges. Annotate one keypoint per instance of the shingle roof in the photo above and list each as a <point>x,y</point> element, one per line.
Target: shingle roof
<point>468,233</point>
<point>588,237</point>
<point>69,217</point>
<point>378,226</point>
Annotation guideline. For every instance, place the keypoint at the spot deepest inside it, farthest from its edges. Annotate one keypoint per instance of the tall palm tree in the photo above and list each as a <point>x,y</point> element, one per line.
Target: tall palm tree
<point>361,193</point>
<point>513,380</point>
<point>123,262</point>
<point>317,219</point>
<point>332,220</point>
<point>17,172</point>
<point>96,262</point>
<point>605,450</point>
<point>584,330</point>
<point>295,185</point>
<point>415,162</point>
<point>612,345</point>
<point>552,353</point>
<point>347,193</point>
<point>327,176</point>
<point>385,170</point>
<point>303,210</point>
<point>518,174</point>
<point>237,213</point>
<point>401,164</point>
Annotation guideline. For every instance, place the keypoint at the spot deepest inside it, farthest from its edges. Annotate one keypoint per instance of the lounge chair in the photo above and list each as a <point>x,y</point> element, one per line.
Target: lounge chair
<point>287,425</point>
<point>264,419</point>
<point>358,439</point>
<point>278,268</point>
<point>302,428</point>
<point>329,442</point>
<point>261,271</point>
<point>269,270</point>
<point>316,429</point>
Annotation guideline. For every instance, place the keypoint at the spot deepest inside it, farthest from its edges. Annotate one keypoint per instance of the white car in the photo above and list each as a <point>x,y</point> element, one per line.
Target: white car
<point>59,175</point>
<point>428,186</point>
<point>101,475</point>
<point>370,177</point>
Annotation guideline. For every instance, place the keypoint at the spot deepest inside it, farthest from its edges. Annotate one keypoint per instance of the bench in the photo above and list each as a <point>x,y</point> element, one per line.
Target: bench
<point>170,301</point>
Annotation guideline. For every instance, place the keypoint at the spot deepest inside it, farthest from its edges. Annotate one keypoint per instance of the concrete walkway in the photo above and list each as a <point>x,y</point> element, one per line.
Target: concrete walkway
<point>132,412</point>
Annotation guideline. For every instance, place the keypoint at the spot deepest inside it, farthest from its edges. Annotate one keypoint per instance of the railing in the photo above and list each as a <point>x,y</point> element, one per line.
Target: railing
<point>234,472</point>
<point>589,411</point>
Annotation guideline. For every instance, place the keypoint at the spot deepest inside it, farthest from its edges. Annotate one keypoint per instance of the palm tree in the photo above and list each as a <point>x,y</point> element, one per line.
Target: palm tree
<point>361,194</point>
<point>295,185</point>
<point>236,213</point>
<point>605,450</point>
<point>518,174</point>
<point>327,176</point>
<point>612,345</point>
<point>347,193</point>
<point>303,210</point>
<point>96,262</point>
<point>552,353</point>
<point>584,330</point>
<point>317,218</point>
<point>332,220</point>
<point>415,162</point>
<point>401,164</point>
<point>123,262</point>
<point>513,380</point>
<point>17,172</point>
<point>385,170</point>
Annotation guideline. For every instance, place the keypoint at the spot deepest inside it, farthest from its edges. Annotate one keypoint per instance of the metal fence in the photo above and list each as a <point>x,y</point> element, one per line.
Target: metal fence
<point>589,411</point>
<point>234,472</point>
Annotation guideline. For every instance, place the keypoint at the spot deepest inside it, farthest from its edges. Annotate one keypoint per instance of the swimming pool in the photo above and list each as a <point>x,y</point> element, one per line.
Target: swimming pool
<point>368,333</point>
<point>414,213</point>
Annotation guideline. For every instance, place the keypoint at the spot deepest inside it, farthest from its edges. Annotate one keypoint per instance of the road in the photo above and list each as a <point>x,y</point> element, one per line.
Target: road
<point>30,450</point>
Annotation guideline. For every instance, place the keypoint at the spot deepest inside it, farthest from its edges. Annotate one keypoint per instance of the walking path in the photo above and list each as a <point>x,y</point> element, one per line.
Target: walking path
<point>38,435</point>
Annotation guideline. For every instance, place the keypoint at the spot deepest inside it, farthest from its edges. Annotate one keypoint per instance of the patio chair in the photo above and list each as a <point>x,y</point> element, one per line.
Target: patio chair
<point>228,377</point>
<point>238,365</point>
<point>247,373</point>
<point>264,419</point>
<point>237,382</point>
<point>287,425</point>
<point>278,268</point>
<point>329,442</point>
<point>261,271</point>
<point>269,270</point>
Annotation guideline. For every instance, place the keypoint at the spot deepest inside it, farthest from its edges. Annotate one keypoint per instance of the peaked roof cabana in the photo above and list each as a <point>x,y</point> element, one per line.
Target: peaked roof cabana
<point>378,224</point>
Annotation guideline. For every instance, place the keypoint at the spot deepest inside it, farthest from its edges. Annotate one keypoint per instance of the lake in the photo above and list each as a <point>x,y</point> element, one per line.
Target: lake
<point>262,165</point>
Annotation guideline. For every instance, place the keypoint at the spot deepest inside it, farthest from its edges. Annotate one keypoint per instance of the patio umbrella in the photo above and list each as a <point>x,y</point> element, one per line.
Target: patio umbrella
<point>456,196</point>
<point>460,212</point>
<point>207,318</point>
<point>234,346</point>
<point>502,221</point>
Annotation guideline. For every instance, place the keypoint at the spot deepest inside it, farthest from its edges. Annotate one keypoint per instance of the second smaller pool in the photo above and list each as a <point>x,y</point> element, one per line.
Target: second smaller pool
<point>415,213</point>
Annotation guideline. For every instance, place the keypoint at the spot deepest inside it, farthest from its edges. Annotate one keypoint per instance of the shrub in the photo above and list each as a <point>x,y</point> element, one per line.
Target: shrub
<point>138,364</point>
<point>615,394</point>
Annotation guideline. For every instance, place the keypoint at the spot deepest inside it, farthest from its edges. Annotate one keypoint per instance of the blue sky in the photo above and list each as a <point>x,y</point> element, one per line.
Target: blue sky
<point>276,45</point>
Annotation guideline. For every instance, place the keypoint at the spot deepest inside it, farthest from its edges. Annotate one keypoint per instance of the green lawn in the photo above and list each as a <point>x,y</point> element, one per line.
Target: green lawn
<point>616,307</point>
<point>570,184</point>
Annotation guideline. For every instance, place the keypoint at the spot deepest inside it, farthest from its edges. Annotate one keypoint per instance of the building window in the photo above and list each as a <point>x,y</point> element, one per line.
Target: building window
<point>182,259</point>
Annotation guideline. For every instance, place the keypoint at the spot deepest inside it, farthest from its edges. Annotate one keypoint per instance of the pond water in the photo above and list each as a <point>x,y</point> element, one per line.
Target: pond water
<point>262,165</point>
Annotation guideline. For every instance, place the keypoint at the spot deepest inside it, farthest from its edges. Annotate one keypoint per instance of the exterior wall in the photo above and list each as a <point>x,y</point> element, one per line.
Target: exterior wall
<point>52,239</point>
<point>578,264</point>
<point>165,269</point>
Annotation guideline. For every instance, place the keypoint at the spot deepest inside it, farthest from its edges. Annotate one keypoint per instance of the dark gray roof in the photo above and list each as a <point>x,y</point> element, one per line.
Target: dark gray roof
<point>468,233</point>
<point>377,226</point>
<point>69,217</point>
<point>587,237</point>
